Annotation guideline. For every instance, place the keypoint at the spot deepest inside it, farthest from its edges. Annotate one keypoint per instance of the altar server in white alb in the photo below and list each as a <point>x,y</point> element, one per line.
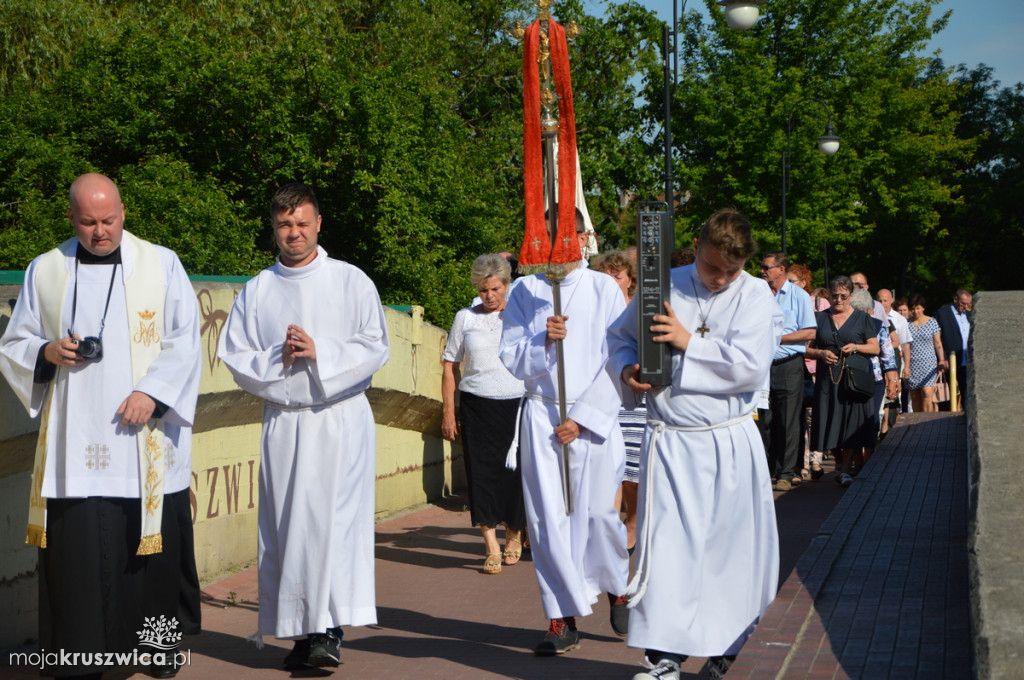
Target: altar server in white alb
<point>707,546</point>
<point>306,335</point>
<point>577,556</point>
<point>103,342</point>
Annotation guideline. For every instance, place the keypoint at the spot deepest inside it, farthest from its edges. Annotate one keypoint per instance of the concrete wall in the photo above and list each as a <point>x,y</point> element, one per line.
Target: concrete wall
<point>995,436</point>
<point>414,464</point>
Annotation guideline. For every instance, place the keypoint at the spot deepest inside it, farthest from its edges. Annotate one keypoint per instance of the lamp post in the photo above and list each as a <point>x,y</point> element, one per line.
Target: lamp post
<point>739,15</point>
<point>828,144</point>
<point>655,219</point>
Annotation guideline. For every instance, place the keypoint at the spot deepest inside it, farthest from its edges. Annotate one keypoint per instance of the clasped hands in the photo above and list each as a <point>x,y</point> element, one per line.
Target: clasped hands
<point>297,345</point>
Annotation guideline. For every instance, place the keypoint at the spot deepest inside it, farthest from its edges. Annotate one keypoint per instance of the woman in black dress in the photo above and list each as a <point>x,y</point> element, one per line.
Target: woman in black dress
<point>488,403</point>
<point>842,421</point>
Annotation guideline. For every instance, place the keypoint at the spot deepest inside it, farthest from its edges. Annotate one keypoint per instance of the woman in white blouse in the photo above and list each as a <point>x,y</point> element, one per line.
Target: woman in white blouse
<point>488,403</point>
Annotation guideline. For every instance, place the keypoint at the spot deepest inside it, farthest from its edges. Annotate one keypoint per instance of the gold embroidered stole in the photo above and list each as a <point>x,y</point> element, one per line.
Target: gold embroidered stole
<point>144,299</point>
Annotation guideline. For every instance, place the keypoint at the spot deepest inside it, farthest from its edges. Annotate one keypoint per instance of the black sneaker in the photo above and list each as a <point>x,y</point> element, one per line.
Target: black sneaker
<point>718,666</point>
<point>298,658</point>
<point>619,614</point>
<point>324,650</point>
<point>561,638</point>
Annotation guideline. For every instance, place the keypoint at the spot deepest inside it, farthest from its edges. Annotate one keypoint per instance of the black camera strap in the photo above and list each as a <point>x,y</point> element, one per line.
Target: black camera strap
<point>74,299</point>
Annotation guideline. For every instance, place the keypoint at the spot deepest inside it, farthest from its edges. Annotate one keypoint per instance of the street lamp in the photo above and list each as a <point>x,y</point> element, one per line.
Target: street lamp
<point>828,144</point>
<point>741,14</point>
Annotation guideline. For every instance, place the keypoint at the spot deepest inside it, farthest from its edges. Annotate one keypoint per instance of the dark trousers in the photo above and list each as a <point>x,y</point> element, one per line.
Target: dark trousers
<point>780,425</point>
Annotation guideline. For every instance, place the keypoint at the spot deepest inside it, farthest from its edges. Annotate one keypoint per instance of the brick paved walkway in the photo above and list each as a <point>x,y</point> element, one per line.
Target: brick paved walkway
<point>880,591</point>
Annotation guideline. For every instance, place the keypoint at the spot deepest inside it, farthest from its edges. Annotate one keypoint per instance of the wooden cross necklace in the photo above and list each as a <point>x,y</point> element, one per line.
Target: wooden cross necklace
<point>703,329</point>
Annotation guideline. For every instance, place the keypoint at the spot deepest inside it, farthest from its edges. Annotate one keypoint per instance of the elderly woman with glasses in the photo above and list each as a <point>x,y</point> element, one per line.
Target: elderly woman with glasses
<point>843,421</point>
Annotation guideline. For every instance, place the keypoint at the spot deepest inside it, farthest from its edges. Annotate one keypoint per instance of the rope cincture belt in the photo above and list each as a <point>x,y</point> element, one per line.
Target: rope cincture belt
<point>510,457</point>
<point>638,585</point>
<point>310,407</point>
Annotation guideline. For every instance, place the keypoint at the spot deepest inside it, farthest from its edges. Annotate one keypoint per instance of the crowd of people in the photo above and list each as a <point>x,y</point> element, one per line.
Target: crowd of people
<point>885,341</point>
<point>684,462</point>
<point>842,366</point>
<point>564,445</point>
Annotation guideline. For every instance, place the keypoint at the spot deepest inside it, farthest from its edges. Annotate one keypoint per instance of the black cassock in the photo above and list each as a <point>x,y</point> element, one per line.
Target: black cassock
<point>95,592</point>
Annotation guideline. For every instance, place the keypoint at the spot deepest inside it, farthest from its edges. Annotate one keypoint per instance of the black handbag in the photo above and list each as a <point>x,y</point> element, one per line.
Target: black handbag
<point>854,371</point>
<point>860,379</point>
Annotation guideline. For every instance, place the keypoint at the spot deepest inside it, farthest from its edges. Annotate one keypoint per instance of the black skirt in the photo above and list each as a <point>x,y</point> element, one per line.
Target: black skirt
<point>95,592</point>
<point>495,492</point>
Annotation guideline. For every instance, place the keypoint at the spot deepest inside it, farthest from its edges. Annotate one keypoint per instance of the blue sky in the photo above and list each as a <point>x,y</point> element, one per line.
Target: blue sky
<point>986,31</point>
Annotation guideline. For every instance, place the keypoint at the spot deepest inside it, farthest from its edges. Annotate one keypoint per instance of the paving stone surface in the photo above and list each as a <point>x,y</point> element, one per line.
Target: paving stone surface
<point>874,586</point>
<point>881,591</point>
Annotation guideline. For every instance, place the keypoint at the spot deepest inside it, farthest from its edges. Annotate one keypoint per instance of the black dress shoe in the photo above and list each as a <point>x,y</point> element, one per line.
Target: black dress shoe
<point>169,666</point>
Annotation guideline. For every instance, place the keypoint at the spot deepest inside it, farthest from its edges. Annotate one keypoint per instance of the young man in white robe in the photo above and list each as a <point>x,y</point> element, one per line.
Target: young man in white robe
<point>707,545</point>
<point>577,556</point>
<point>306,335</point>
<point>104,343</point>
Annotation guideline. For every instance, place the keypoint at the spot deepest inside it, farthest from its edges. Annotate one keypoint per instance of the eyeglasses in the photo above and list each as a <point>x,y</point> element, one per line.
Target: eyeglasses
<point>766,267</point>
<point>840,296</point>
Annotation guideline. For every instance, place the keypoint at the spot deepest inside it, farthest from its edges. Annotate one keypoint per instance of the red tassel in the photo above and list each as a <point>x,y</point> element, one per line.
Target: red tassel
<point>537,249</point>
<point>536,242</point>
<point>566,248</point>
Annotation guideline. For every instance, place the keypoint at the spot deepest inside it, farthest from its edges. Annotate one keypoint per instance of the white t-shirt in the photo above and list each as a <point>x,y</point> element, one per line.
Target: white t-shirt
<point>897,321</point>
<point>474,341</point>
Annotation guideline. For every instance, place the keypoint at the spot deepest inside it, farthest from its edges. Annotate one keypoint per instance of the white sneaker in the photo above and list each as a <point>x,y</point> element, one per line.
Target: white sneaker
<point>665,670</point>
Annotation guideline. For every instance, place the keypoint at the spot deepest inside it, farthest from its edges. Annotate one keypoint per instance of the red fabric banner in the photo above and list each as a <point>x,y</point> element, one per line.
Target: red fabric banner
<point>537,249</point>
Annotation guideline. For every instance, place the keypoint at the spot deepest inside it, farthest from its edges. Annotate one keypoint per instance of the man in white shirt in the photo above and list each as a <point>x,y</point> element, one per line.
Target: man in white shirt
<point>899,333</point>
<point>780,423</point>
<point>955,321</point>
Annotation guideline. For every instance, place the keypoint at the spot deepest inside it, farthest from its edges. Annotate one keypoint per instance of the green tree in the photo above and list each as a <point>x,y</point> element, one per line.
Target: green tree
<point>406,117</point>
<point>895,168</point>
<point>985,232</point>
